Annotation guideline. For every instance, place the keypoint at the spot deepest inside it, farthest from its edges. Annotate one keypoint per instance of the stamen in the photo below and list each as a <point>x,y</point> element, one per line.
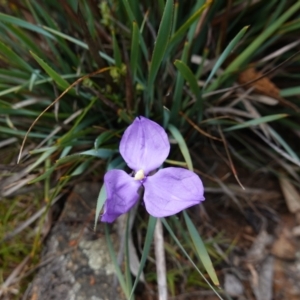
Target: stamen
<point>139,175</point>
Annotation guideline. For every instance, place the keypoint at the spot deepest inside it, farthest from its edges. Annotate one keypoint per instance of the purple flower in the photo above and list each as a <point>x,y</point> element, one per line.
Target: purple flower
<point>144,147</point>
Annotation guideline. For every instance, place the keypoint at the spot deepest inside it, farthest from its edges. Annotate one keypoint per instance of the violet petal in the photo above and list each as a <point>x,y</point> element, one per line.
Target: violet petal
<point>171,190</point>
<point>144,145</point>
<point>121,192</point>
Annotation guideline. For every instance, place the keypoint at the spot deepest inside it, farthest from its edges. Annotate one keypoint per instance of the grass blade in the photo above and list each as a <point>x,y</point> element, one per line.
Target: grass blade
<point>24,38</point>
<point>103,137</point>
<point>16,21</point>
<point>42,81</point>
<point>256,122</point>
<point>45,175</point>
<point>67,37</point>
<point>188,76</point>
<point>13,58</point>
<point>225,54</point>
<point>129,11</point>
<point>284,144</point>
<point>192,81</point>
<point>115,262</point>
<point>178,35</point>
<point>176,105</point>
<point>128,275</point>
<point>289,92</point>
<point>161,41</point>
<point>188,257</point>
<point>201,250</point>
<point>146,249</point>
<point>248,52</point>
<point>182,145</point>
<point>100,153</point>
<point>53,74</point>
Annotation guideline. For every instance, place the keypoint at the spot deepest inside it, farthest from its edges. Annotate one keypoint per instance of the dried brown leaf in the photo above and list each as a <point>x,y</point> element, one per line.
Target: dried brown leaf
<point>284,247</point>
<point>291,195</point>
<point>263,85</point>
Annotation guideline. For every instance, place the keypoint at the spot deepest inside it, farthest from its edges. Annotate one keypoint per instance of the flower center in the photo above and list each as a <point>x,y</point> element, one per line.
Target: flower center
<point>139,175</point>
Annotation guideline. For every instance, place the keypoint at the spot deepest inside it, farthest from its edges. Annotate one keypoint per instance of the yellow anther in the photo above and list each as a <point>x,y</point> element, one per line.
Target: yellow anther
<point>139,175</point>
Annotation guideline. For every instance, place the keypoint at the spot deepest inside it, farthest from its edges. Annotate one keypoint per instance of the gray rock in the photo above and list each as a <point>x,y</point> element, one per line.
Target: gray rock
<point>76,264</point>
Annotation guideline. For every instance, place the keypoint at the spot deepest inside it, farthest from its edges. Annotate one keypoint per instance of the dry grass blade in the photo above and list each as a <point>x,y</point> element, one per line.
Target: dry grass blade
<point>255,115</point>
<point>280,51</point>
<point>263,99</point>
<point>17,185</point>
<point>161,269</point>
<point>276,148</point>
<point>228,110</point>
<point>8,142</point>
<point>12,277</point>
<point>28,102</point>
<point>57,129</point>
<point>208,64</point>
<point>241,95</point>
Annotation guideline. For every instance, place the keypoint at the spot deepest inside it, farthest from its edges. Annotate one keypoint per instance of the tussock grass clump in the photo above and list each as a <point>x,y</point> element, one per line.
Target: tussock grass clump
<point>220,77</point>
